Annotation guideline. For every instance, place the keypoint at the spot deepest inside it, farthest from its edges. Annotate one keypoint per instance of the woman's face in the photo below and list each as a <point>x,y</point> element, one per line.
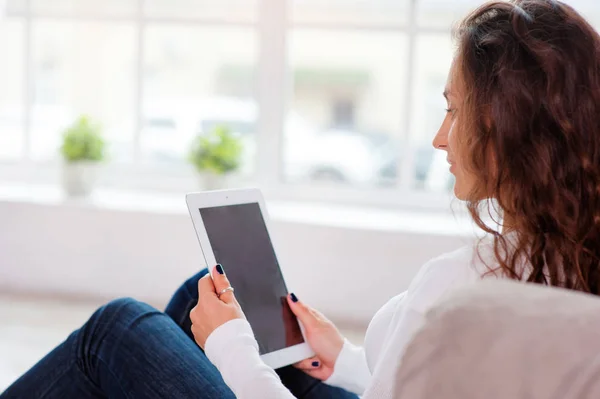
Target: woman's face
<point>448,137</point>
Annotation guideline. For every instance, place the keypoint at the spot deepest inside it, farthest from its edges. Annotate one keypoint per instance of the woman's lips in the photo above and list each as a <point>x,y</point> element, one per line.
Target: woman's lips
<point>452,165</point>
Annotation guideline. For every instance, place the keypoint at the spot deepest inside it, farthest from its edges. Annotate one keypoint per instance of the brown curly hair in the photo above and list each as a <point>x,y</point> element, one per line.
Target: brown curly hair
<point>531,74</point>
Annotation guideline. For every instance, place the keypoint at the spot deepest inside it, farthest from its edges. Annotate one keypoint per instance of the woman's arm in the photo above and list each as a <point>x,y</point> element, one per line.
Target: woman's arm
<point>351,371</point>
<point>233,349</point>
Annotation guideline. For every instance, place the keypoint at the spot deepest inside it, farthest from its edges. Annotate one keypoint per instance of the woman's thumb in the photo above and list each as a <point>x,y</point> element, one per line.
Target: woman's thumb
<point>301,310</point>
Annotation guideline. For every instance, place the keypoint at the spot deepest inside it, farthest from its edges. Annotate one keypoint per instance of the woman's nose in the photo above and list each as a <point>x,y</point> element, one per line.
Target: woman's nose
<point>440,141</point>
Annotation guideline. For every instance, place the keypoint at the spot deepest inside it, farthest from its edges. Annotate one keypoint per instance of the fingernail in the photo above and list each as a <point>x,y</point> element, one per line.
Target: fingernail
<point>220,269</point>
<point>294,297</point>
<point>315,364</point>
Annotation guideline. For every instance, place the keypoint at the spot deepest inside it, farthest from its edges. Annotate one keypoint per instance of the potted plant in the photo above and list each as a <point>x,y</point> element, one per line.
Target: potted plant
<point>82,149</point>
<point>216,156</point>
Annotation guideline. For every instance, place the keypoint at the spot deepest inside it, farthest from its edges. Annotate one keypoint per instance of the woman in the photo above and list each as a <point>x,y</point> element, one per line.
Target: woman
<point>522,133</point>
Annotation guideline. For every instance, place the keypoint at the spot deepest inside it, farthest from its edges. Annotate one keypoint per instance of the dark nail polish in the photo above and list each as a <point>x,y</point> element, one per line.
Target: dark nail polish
<point>315,364</point>
<point>294,297</point>
<point>220,269</point>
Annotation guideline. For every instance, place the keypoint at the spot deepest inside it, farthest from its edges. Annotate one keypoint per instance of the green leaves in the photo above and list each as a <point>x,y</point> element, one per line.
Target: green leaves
<point>82,141</point>
<point>219,152</point>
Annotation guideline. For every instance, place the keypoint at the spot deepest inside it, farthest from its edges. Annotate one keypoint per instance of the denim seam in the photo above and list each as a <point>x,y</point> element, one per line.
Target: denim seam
<point>56,380</point>
<point>114,376</point>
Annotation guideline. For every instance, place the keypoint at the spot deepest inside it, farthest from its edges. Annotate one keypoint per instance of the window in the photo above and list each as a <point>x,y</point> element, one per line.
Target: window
<point>443,14</point>
<point>224,11</point>
<point>590,9</point>
<point>433,58</point>
<point>348,91</point>
<point>81,68</point>
<point>196,77</point>
<point>373,14</point>
<point>332,99</point>
<point>347,113</point>
<point>13,8</point>
<point>83,8</point>
<point>12,88</point>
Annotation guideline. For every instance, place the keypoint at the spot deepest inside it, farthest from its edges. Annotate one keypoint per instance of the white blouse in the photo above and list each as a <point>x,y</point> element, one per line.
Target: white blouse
<point>368,371</point>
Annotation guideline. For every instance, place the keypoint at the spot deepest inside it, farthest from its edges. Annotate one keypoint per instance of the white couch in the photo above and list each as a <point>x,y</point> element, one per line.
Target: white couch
<point>504,340</point>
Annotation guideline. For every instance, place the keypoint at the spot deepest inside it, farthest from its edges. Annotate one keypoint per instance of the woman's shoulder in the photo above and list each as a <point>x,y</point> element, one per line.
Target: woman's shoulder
<point>469,260</point>
<point>443,273</point>
<point>450,262</point>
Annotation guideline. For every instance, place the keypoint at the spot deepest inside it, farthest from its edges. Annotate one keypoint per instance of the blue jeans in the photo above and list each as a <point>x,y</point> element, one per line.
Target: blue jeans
<point>128,349</point>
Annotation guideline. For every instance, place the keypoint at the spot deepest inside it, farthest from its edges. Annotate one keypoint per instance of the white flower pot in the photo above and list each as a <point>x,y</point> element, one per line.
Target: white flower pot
<point>212,181</point>
<point>79,178</point>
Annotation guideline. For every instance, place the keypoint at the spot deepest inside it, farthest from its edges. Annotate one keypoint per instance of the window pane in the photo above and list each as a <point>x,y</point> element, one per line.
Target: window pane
<point>119,8</point>
<point>224,10</point>
<point>346,117</point>
<point>590,9</point>
<point>194,80</point>
<point>82,68</point>
<point>443,13</point>
<point>351,12</point>
<point>12,88</point>
<point>15,7</point>
<point>432,63</point>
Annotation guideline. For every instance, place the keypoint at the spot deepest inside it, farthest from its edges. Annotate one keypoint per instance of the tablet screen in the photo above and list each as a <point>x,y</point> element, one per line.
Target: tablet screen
<point>241,243</point>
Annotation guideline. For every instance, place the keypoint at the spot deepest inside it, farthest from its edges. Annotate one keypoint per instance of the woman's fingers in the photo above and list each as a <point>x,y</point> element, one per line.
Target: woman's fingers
<point>205,285</point>
<point>211,311</point>
<point>222,284</point>
<point>302,311</point>
<point>315,368</point>
<point>311,363</point>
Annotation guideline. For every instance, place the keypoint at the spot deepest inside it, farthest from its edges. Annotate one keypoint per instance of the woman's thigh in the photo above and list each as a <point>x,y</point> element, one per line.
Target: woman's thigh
<point>126,349</point>
<point>149,353</point>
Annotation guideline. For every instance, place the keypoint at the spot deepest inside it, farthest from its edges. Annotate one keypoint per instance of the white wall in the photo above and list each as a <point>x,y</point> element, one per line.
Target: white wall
<point>100,252</point>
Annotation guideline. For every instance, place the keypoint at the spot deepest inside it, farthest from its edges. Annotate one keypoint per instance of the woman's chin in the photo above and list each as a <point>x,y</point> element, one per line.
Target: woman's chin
<point>459,192</point>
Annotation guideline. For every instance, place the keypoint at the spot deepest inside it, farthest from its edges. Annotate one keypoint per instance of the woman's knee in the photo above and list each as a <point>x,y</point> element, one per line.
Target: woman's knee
<point>123,322</point>
<point>122,311</point>
<point>108,322</point>
<point>117,305</point>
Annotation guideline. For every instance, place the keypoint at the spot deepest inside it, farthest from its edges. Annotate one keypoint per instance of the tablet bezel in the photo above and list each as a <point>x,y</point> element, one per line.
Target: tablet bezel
<point>209,199</point>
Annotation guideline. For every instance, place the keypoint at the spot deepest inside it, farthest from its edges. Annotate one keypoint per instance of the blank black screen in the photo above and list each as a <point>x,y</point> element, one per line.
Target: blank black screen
<point>241,243</point>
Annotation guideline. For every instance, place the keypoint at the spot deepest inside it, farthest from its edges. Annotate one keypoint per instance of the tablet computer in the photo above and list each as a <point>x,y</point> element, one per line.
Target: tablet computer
<point>232,229</point>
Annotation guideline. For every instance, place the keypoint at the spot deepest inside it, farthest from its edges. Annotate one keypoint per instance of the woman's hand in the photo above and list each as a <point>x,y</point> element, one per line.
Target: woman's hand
<point>213,311</point>
<point>323,337</point>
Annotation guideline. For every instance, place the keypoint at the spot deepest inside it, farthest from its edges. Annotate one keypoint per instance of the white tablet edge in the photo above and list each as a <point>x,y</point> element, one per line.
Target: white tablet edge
<point>195,201</point>
<point>286,356</point>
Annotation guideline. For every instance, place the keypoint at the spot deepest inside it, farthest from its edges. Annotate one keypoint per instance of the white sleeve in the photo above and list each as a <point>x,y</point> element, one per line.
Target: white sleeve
<point>351,371</point>
<point>233,349</point>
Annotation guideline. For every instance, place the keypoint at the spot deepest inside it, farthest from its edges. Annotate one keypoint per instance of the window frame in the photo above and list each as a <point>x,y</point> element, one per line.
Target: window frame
<point>273,91</point>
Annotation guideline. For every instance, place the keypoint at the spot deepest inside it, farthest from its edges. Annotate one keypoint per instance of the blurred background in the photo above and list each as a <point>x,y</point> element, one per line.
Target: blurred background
<point>110,111</point>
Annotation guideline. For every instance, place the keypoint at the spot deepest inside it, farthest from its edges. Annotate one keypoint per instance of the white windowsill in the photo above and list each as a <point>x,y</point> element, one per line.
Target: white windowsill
<point>319,214</point>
